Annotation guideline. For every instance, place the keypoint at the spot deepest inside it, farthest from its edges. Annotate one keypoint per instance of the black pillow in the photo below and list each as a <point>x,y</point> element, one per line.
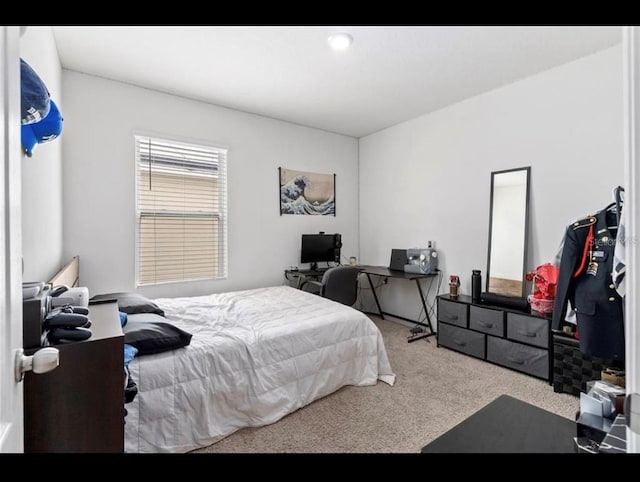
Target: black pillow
<point>151,333</point>
<point>131,303</point>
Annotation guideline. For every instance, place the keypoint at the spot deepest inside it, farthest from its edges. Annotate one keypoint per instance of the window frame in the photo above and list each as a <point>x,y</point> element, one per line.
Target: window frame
<point>221,215</point>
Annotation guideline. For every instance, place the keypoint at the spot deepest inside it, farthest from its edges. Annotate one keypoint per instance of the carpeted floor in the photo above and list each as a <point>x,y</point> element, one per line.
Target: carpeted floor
<point>435,389</point>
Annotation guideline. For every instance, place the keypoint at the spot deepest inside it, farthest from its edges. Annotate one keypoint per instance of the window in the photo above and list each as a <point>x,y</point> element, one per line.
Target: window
<point>181,211</point>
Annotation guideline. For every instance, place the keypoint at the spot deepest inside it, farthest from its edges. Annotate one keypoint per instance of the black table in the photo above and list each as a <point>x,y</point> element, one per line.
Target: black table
<point>508,425</point>
<point>391,273</point>
<point>300,275</point>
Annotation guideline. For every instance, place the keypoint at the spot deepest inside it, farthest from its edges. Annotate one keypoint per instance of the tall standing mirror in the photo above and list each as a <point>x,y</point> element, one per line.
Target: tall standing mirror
<point>508,227</point>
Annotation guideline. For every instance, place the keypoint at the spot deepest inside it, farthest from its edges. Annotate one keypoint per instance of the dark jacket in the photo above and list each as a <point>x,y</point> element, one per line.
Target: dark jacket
<point>585,280</point>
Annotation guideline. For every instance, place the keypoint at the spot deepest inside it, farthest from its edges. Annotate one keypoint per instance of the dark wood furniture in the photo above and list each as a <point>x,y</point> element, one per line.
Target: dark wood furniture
<point>79,406</point>
<point>508,337</point>
<point>508,425</point>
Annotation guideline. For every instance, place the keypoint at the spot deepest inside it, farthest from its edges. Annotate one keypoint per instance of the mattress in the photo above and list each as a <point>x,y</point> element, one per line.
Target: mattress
<point>255,356</point>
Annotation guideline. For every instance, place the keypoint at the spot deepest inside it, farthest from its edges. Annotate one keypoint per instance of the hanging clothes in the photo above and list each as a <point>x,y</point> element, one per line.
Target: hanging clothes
<point>571,314</point>
<point>585,281</point>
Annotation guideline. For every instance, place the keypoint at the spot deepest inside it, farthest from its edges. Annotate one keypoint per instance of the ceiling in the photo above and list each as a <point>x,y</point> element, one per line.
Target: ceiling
<point>389,75</point>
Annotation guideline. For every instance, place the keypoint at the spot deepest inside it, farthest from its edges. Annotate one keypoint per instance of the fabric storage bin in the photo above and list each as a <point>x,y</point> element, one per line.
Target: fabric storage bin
<point>466,341</point>
<point>524,358</point>
<point>486,320</point>
<point>453,313</point>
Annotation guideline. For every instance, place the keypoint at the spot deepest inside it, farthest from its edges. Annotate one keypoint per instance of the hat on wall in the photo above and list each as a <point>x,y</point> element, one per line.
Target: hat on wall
<point>44,131</point>
<point>34,96</point>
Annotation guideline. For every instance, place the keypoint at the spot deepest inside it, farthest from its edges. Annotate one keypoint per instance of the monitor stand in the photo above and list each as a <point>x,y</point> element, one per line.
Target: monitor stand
<point>313,266</point>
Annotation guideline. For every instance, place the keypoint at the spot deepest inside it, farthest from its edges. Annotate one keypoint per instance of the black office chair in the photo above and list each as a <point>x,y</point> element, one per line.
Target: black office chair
<point>338,284</point>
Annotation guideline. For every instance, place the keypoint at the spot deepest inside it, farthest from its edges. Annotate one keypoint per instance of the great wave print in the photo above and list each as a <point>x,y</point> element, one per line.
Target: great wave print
<point>307,193</point>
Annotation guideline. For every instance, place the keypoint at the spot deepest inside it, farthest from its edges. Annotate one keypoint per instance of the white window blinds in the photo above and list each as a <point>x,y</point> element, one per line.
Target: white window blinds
<point>181,211</point>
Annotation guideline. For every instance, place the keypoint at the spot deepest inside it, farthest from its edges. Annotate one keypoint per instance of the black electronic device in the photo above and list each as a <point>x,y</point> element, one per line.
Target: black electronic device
<point>320,247</point>
<point>398,259</point>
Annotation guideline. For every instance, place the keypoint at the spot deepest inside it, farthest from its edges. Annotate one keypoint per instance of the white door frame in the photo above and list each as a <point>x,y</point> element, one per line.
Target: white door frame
<point>631,105</point>
<point>11,395</point>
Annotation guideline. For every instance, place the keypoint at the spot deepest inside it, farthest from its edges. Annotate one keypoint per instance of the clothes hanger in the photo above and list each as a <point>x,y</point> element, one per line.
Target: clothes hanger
<point>616,205</point>
<point>617,195</point>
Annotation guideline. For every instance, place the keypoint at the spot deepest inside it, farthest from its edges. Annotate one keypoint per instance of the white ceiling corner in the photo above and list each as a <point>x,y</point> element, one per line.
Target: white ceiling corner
<point>389,75</point>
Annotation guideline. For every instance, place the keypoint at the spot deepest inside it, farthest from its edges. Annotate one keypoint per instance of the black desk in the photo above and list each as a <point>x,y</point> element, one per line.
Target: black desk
<point>300,275</point>
<point>388,273</point>
<point>508,425</point>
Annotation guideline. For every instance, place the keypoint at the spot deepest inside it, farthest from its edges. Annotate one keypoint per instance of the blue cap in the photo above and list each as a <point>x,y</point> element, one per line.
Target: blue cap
<point>44,131</point>
<point>34,96</point>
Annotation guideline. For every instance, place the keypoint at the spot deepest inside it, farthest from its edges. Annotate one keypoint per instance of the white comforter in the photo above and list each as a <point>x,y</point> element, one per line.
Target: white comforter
<point>255,356</point>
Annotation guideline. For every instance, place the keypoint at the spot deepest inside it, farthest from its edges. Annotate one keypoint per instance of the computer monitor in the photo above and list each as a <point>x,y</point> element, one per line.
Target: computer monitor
<point>320,247</point>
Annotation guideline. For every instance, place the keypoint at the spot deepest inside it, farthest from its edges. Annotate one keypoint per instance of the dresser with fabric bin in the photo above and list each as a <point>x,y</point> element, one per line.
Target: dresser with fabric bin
<point>512,338</point>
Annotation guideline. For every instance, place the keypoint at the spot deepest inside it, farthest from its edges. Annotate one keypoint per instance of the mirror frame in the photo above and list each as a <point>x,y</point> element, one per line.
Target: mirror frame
<point>526,228</point>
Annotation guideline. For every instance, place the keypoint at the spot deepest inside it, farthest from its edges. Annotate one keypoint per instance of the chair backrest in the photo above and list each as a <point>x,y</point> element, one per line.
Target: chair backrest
<point>341,284</point>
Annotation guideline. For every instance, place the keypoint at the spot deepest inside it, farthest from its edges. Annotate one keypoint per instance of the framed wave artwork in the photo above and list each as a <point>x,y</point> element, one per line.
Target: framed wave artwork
<point>308,193</point>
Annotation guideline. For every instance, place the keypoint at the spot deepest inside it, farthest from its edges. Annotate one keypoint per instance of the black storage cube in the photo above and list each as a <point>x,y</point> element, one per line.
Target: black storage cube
<point>572,369</point>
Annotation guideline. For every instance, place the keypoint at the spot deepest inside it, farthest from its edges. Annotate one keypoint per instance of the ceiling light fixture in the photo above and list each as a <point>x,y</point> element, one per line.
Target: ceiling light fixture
<point>340,41</point>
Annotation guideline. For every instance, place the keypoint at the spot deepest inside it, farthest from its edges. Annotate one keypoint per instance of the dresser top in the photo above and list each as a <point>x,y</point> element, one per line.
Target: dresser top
<point>465,299</point>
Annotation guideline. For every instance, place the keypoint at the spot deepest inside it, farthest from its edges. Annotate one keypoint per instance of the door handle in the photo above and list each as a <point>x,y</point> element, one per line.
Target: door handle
<point>42,361</point>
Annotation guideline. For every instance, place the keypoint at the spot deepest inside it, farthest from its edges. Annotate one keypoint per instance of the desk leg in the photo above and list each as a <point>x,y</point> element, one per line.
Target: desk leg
<point>375,297</point>
<point>426,312</point>
<point>424,305</point>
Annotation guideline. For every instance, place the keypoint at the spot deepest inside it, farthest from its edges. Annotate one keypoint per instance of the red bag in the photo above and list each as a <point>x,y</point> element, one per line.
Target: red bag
<point>545,279</point>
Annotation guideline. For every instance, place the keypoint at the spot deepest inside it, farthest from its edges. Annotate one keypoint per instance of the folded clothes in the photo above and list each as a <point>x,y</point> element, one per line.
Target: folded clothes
<point>68,334</point>
<point>67,320</point>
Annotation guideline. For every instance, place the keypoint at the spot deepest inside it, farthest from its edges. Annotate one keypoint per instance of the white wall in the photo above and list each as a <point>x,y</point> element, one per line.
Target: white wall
<point>42,173</point>
<point>429,178</point>
<point>101,117</point>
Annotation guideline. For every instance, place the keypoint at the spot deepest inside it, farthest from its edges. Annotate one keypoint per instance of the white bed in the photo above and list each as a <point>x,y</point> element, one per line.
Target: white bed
<point>255,356</point>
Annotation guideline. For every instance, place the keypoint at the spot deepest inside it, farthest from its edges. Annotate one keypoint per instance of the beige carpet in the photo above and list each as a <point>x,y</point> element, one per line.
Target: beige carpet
<point>435,389</point>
